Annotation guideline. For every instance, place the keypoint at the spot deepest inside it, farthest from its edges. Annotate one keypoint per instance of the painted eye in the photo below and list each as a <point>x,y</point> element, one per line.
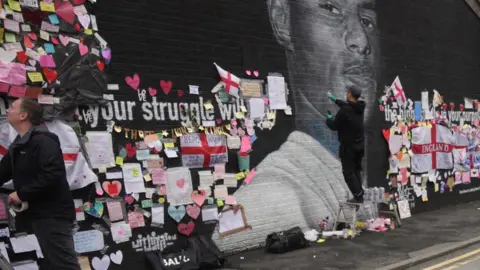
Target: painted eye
<point>330,8</point>
<point>367,23</point>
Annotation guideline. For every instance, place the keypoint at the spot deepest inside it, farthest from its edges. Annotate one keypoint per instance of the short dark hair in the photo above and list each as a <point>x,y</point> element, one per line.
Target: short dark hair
<point>356,91</point>
<point>33,109</point>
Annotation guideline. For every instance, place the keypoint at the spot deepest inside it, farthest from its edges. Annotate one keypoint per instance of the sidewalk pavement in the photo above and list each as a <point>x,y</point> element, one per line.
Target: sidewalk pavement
<point>421,237</point>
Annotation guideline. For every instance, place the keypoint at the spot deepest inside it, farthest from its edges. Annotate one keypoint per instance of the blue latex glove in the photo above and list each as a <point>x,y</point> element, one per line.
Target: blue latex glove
<point>331,96</point>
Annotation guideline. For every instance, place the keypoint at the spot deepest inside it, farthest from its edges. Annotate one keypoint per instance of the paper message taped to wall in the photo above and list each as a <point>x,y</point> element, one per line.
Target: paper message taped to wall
<point>257,108</point>
<point>99,148</point>
<point>179,186</point>
<point>133,179</point>
<point>88,241</point>
<point>26,243</point>
<point>276,92</point>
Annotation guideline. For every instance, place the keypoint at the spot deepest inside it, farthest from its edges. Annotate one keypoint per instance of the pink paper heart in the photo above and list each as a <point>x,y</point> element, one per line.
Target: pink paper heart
<point>32,62</point>
<point>255,72</point>
<point>166,86</point>
<point>193,211</point>
<point>198,197</point>
<point>65,11</point>
<point>33,36</point>
<point>248,72</point>
<point>83,49</point>
<point>181,183</point>
<point>120,232</point>
<point>133,82</point>
<point>152,91</point>
<point>112,188</point>
<point>64,40</point>
<point>55,40</point>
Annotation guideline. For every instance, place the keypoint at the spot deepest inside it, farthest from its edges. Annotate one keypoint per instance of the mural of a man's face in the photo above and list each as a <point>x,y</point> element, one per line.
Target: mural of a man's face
<point>330,44</point>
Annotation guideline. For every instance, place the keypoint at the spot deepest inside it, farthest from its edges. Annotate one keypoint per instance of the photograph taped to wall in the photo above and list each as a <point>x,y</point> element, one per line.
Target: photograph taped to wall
<point>251,88</point>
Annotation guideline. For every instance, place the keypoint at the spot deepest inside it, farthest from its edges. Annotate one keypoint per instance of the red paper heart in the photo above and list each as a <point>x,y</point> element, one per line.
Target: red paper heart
<point>22,57</point>
<point>462,107</point>
<point>28,43</point>
<point>77,27</point>
<point>50,74</point>
<point>181,183</point>
<point>198,197</point>
<point>65,11</point>
<point>33,36</point>
<point>131,150</point>
<point>166,86</point>
<point>444,106</point>
<point>452,106</point>
<point>55,40</point>
<point>152,91</point>
<point>78,2</point>
<point>133,82</point>
<point>219,121</point>
<point>193,211</point>
<point>100,65</point>
<point>112,188</point>
<point>180,93</point>
<point>186,229</point>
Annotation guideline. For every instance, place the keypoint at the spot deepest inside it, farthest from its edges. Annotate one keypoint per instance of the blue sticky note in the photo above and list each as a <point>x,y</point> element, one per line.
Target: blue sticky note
<point>49,48</point>
<point>53,19</point>
<point>418,110</point>
<point>253,138</point>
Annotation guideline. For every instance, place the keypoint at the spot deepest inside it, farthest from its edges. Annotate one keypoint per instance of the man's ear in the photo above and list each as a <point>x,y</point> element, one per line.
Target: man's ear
<point>279,12</point>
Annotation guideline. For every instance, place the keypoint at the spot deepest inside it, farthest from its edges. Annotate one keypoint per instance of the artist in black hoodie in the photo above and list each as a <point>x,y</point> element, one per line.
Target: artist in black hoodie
<point>349,124</point>
<point>35,163</point>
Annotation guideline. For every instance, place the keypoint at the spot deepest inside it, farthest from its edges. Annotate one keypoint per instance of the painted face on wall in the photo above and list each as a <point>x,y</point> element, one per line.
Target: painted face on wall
<point>330,44</point>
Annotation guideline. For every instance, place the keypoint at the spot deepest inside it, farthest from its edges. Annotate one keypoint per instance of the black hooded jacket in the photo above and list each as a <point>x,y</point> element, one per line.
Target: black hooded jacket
<point>35,163</point>
<point>349,123</point>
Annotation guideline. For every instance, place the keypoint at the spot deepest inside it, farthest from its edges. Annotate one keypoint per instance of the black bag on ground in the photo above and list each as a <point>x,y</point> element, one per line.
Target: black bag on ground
<point>210,256</point>
<point>281,242</point>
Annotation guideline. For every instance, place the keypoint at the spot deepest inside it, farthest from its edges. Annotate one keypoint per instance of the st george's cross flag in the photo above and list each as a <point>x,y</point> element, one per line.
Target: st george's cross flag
<point>398,92</point>
<point>432,148</point>
<point>230,81</point>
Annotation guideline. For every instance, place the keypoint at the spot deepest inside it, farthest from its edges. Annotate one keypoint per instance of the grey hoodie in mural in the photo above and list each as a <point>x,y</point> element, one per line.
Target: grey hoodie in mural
<point>349,123</point>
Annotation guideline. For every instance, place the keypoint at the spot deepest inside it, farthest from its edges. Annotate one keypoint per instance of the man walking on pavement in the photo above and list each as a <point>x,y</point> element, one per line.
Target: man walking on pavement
<point>349,124</point>
<point>35,163</point>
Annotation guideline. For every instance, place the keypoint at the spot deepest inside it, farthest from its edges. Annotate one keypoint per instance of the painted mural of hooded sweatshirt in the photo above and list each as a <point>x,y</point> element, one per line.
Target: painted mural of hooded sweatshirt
<point>302,178</point>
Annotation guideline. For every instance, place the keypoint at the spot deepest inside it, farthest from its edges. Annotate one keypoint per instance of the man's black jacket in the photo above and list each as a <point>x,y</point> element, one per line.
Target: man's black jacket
<point>349,123</point>
<point>35,163</point>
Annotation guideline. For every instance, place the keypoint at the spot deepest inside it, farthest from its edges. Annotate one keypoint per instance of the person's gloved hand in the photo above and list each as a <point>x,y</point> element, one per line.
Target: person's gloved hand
<point>331,96</point>
<point>329,115</point>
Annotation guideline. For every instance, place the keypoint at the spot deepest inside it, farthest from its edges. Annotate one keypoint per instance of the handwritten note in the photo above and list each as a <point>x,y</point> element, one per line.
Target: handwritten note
<point>115,210</point>
<point>88,241</point>
<point>100,149</point>
<point>158,176</point>
<point>246,145</point>
<point>132,178</point>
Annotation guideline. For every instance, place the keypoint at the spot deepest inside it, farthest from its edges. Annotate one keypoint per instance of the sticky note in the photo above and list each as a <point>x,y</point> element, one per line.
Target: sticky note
<point>240,175</point>
<point>17,91</point>
<point>135,172</point>
<point>88,31</point>
<point>2,30</point>
<point>14,5</point>
<point>47,61</point>
<point>9,37</point>
<point>35,76</point>
<point>169,144</point>
<point>208,106</point>
<point>147,177</point>
<point>321,240</point>
<point>47,7</point>
<point>271,115</point>
<point>147,204</point>
<point>119,161</point>
<point>239,115</point>
<point>243,109</point>
<point>53,19</point>
<point>220,203</point>
<point>49,48</point>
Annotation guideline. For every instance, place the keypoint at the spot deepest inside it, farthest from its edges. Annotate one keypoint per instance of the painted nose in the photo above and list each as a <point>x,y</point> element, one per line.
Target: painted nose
<point>356,38</point>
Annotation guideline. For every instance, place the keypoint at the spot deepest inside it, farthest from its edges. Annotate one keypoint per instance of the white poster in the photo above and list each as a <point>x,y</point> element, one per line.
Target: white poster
<point>276,92</point>
<point>133,178</point>
<point>179,186</point>
<point>100,150</point>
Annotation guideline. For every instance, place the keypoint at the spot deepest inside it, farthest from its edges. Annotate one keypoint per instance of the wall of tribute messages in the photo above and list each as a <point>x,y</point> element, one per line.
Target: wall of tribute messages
<point>170,113</point>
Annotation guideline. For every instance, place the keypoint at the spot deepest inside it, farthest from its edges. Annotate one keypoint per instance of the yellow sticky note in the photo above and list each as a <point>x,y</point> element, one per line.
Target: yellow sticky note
<point>41,51</point>
<point>135,172</point>
<point>2,30</point>
<point>239,115</point>
<point>271,115</point>
<point>47,7</point>
<point>119,161</point>
<point>9,37</point>
<point>147,177</point>
<point>321,240</point>
<point>220,203</point>
<point>35,76</point>
<point>436,187</point>
<point>243,109</point>
<point>161,200</point>
<point>169,145</point>
<point>14,5</point>
<point>240,176</point>
<point>208,106</point>
<point>88,31</point>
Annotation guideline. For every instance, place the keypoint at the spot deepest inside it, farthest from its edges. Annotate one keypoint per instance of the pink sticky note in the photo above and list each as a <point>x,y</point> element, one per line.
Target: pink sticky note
<point>231,200</point>
<point>4,87</point>
<point>404,171</point>
<point>13,73</point>
<point>465,177</point>
<point>249,176</point>
<point>265,100</point>
<point>17,91</point>
<point>47,61</point>
<point>246,144</point>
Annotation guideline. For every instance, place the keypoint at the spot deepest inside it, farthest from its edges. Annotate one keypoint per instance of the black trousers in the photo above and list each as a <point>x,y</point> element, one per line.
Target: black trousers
<point>56,241</point>
<point>351,158</point>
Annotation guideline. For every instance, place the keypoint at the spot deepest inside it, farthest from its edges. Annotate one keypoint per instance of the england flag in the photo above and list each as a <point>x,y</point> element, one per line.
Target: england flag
<point>432,148</point>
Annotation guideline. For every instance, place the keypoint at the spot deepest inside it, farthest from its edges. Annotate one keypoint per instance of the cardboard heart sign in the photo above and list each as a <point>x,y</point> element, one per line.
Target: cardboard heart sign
<point>112,188</point>
<point>131,150</point>
<point>95,210</point>
<point>180,183</point>
<point>22,57</point>
<point>101,264</point>
<point>198,197</point>
<point>64,40</point>
<point>133,82</point>
<point>152,91</point>
<point>177,213</point>
<point>186,229</point>
<point>50,74</point>
<point>193,211</point>
<point>166,86</point>
<point>83,49</point>
<point>117,257</point>
<point>100,65</point>
<point>65,11</point>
